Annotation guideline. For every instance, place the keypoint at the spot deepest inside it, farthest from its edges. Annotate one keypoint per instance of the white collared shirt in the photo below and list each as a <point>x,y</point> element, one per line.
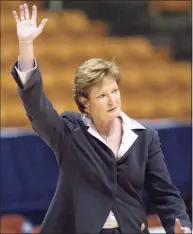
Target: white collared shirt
<point>128,138</point>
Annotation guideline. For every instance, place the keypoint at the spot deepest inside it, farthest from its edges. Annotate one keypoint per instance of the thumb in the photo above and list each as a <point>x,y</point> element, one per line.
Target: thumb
<point>42,25</point>
<point>178,228</point>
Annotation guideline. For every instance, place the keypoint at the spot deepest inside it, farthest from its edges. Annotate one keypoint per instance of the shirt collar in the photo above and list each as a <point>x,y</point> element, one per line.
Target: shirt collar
<point>128,122</point>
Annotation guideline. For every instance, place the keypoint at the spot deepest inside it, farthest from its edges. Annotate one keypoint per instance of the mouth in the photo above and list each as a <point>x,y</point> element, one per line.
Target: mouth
<point>112,109</point>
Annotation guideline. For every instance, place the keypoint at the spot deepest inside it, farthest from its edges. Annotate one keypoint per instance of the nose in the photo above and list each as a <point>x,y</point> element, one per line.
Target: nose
<point>111,100</point>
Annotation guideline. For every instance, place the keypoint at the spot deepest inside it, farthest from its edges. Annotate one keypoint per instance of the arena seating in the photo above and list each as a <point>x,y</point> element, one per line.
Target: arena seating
<point>170,6</point>
<point>151,78</point>
<point>36,229</point>
<point>11,223</point>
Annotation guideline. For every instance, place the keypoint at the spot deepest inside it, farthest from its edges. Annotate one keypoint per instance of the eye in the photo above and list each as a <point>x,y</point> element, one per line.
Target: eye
<point>101,96</point>
<point>115,90</point>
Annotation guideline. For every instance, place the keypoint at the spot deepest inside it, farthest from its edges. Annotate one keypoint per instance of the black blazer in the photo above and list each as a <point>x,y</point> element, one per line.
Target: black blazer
<point>91,182</point>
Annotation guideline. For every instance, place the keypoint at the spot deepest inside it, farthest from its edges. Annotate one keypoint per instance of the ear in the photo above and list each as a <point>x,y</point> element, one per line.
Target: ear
<point>85,102</point>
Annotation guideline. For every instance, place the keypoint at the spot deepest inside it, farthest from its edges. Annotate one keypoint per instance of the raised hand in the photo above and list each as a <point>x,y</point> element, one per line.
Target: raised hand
<point>27,29</point>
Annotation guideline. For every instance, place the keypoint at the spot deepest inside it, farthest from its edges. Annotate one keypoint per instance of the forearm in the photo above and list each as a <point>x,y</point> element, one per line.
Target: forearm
<point>26,57</point>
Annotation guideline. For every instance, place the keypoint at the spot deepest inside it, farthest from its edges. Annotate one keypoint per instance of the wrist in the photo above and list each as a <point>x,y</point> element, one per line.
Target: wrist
<point>25,42</point>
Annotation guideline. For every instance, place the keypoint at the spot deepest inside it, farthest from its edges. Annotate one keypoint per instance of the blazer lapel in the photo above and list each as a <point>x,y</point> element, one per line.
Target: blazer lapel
<point>129,136</point>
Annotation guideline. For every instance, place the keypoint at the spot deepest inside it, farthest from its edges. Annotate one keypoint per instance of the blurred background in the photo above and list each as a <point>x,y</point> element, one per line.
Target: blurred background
<point>151,43</point>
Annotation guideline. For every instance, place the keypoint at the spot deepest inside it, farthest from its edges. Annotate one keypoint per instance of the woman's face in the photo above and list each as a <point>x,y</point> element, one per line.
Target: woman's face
<point>104,100</point>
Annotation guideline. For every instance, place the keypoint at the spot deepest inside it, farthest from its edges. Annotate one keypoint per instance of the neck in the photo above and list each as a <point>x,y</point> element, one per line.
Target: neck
<point>105,128</point>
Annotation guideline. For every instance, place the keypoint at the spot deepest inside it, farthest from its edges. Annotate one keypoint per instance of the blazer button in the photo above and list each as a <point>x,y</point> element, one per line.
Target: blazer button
<point>142,226</point>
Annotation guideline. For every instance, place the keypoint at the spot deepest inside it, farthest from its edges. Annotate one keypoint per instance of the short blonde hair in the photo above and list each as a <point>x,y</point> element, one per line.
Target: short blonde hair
<point>88,74</point>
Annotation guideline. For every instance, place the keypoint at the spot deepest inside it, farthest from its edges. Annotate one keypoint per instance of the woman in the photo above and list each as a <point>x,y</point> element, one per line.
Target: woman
<point>105,158</point>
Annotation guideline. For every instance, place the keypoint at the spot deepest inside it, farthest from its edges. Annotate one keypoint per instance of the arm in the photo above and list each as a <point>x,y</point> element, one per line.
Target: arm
<point>26,57</point>
<point>164,196</point>
<point>27,31</point>
<point>44,119</point>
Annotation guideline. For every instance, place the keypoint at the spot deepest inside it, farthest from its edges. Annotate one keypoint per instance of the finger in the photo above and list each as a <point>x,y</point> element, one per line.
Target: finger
<point>26,11</point>
<point>42,25</point>
<point>16,17</point>
<point>178,223</point>
<point>178,228</point>
<point>34,13</point>
<point>22,13</point>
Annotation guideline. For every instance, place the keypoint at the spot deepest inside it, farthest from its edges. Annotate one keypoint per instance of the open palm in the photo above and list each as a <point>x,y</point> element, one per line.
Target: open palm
<point>27,29</point>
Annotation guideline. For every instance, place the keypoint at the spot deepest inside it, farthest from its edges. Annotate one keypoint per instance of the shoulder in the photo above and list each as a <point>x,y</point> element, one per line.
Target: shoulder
<point>150,132</point>
<point>137,125</point>
<point>145,130</point>
<point>149,129</point>
<point>71,116</point>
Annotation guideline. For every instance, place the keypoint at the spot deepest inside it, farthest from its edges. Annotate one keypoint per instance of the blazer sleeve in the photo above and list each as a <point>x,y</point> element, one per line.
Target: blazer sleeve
<point>43,117</point>
<point>164,196</point>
